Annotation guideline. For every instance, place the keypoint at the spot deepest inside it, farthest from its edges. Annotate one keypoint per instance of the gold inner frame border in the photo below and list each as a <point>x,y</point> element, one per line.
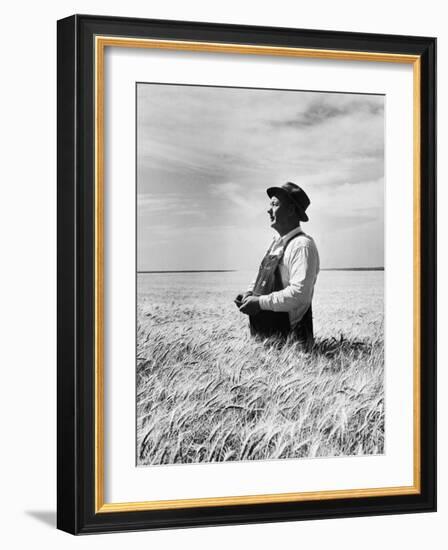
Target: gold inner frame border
<point>101,42</point>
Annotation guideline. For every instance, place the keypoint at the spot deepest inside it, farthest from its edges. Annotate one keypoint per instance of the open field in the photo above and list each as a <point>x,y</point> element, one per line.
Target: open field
<point>208,392</point>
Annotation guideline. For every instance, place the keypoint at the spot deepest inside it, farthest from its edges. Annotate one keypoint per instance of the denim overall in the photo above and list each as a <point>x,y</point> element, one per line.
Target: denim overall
<point>273,323</point>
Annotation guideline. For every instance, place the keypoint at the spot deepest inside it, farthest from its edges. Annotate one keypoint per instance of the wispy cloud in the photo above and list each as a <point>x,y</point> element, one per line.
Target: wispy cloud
<point>150,204</point>
<point>323,110</point>
<point>234,193</point>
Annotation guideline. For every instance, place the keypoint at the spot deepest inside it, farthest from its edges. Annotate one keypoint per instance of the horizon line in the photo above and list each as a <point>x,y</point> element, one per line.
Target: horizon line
<point>379,268</point>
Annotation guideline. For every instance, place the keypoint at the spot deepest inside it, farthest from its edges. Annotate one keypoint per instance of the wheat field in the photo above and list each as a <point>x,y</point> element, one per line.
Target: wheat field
<point>208,392</point>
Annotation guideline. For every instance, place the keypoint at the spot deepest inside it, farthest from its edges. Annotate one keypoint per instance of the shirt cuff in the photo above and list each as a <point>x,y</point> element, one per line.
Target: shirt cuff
<point>265,302</point>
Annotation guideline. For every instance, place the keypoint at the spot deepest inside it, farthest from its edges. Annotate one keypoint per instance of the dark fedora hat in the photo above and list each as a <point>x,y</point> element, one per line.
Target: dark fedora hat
<point>295,194</point>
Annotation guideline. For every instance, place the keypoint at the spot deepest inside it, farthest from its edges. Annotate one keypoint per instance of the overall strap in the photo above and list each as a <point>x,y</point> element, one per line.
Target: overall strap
<point>268,278</point>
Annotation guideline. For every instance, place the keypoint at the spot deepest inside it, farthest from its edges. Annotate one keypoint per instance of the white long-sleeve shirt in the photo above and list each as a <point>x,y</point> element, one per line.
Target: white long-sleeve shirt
<point>299,268</point>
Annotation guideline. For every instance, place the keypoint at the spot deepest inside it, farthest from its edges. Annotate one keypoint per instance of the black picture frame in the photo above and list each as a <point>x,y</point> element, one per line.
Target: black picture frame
<point>76,474</point>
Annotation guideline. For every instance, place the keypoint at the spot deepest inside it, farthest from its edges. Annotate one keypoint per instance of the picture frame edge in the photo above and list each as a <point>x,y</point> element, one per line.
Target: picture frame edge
<point>75,476</point>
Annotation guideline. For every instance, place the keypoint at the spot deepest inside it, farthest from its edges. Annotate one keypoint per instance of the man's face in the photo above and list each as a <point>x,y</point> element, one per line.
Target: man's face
<point>280,212</point>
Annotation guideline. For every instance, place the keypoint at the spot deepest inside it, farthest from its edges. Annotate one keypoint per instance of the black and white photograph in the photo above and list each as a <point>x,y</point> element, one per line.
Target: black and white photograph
<point>260,274</point>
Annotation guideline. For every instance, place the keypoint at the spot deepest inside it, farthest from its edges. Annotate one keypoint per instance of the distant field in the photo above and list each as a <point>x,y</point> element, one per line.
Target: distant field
<point>208,392</point>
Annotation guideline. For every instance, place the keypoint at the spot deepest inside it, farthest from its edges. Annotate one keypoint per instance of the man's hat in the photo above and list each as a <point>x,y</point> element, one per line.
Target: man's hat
<point>295,194</point>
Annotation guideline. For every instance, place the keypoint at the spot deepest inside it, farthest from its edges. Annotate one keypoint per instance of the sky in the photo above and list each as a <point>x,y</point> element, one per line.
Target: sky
<point>206,155</point>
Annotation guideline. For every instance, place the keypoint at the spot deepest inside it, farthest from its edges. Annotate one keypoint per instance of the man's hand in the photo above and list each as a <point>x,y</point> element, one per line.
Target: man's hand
<point>251,305</point>
<point>241,297</point>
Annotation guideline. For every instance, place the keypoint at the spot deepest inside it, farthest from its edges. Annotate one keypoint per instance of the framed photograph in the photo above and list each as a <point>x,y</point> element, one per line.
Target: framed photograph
<point>246,274</point>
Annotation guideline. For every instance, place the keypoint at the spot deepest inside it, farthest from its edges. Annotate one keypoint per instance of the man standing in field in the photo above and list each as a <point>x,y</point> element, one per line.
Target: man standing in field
<point>278,302</point>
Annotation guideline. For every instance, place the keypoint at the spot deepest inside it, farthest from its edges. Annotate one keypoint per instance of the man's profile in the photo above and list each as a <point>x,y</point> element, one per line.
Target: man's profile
<point>278,302</point>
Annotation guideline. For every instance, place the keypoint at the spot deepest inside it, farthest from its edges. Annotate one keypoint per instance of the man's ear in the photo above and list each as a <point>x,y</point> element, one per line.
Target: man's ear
<point>292,210</point>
